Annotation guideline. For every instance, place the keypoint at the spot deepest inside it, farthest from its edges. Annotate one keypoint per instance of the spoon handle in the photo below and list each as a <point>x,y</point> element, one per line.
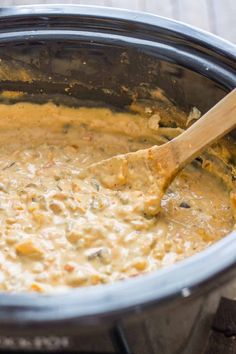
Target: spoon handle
<point>210,127</point>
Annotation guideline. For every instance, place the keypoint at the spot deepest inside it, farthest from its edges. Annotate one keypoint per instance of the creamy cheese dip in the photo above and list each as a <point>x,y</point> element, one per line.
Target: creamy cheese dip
<point>56,234</point>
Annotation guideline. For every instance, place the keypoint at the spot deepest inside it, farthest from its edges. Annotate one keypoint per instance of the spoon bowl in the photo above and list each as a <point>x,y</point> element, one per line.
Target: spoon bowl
<point>143,176</point>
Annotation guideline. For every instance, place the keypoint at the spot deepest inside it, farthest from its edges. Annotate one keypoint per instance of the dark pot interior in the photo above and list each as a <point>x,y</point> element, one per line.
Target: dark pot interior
<point>100,59</point>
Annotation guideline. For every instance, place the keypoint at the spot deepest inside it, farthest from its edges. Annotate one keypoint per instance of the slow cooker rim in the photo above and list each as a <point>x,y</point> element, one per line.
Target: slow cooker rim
<point>107,299</point>
<point>178,27</point>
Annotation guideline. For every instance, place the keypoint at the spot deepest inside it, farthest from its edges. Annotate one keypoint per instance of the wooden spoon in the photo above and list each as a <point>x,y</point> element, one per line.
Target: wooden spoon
<point>144,176</point>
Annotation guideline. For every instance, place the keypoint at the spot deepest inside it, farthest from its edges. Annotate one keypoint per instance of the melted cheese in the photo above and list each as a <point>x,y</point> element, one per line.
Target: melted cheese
<point>57,232</point>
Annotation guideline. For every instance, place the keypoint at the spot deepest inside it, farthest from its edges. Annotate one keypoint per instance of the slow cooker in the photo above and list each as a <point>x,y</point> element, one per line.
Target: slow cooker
<point>81,55</point>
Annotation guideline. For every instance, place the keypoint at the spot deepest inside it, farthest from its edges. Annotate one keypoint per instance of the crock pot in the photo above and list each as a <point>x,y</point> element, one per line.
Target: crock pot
<point>79,55</point>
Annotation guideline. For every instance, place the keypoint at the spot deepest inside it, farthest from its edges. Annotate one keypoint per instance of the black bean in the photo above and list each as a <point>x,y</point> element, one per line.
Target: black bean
<point>199,159</point>
<point>184,205</point>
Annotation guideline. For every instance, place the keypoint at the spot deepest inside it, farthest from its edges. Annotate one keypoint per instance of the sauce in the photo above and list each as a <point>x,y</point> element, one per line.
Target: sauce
<point>57,232</point>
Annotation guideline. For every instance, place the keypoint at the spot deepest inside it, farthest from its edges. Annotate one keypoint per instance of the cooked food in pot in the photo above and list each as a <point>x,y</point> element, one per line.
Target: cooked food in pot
<point>59,232</point>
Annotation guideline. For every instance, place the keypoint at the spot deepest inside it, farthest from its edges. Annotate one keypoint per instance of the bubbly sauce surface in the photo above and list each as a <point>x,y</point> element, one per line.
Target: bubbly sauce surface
<point>57,232</point>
